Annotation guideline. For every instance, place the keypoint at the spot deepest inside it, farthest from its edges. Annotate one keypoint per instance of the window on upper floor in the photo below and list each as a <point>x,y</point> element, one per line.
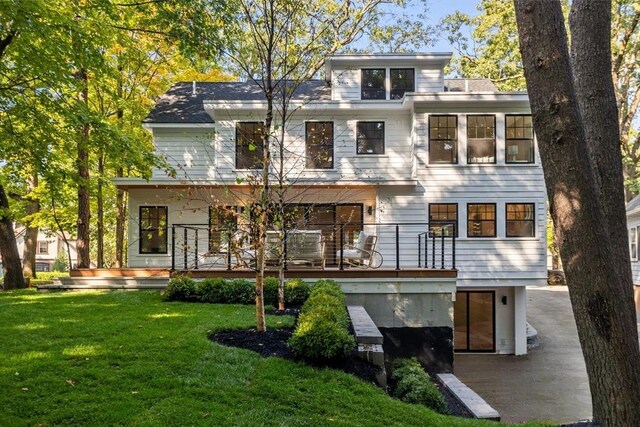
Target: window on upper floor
<point>443,218</point>
<point>43,247</point>
<point>249,145</point>
<point>521,220</point>
<point>519,139</point>
<point>443,139</point>
<point>402,80</point>
<point>481,139</point>
<point>373,83</point>
<point>319,145</point>
<point>153,229</point>
<point>481,220</point>
<point>370,137</point>
<point>633,243</point>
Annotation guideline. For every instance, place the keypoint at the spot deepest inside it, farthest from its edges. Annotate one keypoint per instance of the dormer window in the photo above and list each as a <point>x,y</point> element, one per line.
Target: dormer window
<point>373,86</point>
<point>402,81</point>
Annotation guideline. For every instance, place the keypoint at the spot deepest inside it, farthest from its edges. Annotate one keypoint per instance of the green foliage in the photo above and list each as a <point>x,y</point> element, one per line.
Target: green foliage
<point>327,286</point>
<point>61,263</point>
<point>296,291</point>
<point>413,385</point>
<point>240,291</point>
<point>270,291</point>
<point>322,331</point>
<point>212,290</point>
<point>182,288</point>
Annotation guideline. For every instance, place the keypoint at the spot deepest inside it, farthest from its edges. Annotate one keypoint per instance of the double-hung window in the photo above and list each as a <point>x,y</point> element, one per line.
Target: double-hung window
<point>249,143</point>
<point>153,229</point>
<point>519,139</point>
<point>633,243</point>
<point>402,81</point>
<point>223,221</point>
<point>521,220</point>
<point>443,139</point>
<point>481,139</point>
<point>481,220</point>
<point>319,145</point>
<point>370,137</point>
<point>373,83</point>
<point>443,219</point>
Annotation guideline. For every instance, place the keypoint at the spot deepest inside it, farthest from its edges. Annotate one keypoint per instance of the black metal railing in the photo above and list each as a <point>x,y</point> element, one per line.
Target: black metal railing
<point>394,246</point>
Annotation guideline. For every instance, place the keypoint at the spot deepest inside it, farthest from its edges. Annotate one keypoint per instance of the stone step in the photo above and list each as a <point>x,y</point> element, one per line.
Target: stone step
<point>365,330</point>
<point>469,398</point>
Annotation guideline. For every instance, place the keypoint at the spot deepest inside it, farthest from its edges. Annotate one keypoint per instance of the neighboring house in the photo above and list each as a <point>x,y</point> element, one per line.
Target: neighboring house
<point>385,145</point>
<point>49,247</point>
<point>633,225</point>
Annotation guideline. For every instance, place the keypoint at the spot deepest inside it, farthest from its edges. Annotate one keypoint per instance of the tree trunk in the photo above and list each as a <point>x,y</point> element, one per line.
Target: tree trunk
<point>120,222</point>
<point>100,213</point>
<point>82,167</point>
<point>31,234</point>
<point>598,280</point>
<point>11,267</point>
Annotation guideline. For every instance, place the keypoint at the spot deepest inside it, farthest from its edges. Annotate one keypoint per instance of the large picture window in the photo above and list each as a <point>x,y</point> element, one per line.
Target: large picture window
<point>249,145</point>
<point>519,139</point>
<point>153,229</point>
<point>319,145</point>
<point>481,139</point>
<point>521,220</point>
<point>443,139</point>
<point>481,220</point>
<point>402,81</point>
<point>370,137</point>
<point>443,218</point>
<point>372,83</point>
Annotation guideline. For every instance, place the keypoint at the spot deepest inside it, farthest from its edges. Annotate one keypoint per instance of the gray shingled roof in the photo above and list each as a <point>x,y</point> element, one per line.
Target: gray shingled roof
<point>178,105</point>
<point>472,85</point>
<point>633,203</point>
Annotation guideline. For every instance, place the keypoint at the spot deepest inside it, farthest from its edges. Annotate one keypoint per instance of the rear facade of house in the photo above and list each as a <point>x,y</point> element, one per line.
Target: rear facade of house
<point>444,172</point>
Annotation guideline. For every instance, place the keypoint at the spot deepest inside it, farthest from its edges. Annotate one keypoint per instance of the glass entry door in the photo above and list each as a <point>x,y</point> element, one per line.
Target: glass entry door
<point>474,322</point>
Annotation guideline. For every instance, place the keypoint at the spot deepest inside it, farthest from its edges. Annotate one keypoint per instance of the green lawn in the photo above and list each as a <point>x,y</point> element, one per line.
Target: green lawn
<point>128,358</point>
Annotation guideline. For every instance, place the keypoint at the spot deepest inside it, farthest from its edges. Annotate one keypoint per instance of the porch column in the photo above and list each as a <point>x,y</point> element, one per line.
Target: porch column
<point>520,319</point>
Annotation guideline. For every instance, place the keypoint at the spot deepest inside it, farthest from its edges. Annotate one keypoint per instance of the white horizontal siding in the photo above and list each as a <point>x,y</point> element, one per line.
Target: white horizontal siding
<point>429,80</point>
<point>345,84</point>
<point>190,152</point>
<point>634,221</point>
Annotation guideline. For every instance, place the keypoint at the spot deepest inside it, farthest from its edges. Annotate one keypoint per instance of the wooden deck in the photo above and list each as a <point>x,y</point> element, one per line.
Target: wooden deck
<point>302,273</point>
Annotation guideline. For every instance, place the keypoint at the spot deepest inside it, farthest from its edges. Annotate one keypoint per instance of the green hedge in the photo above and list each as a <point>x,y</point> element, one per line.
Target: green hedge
<point>414,385</point>
<point>237,291</point>
<point>322,331</point>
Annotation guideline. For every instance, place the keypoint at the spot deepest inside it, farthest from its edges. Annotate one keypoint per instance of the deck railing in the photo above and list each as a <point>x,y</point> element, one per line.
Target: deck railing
<point>397,246</point>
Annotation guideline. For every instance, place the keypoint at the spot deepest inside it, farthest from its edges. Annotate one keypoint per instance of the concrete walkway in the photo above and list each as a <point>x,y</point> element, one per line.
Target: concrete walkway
<point>550,383</point>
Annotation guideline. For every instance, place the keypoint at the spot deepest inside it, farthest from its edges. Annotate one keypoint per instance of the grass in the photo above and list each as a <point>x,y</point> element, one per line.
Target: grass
<point>128,358</point>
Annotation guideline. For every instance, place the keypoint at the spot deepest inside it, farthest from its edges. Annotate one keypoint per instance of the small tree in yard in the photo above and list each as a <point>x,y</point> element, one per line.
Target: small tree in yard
<point>576,123</point>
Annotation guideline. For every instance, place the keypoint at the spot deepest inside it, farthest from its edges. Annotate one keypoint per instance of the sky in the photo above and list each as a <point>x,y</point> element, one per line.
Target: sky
<point>440,8</point>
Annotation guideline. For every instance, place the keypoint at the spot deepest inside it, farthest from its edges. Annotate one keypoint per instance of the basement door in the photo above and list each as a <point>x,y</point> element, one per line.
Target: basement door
<point>474,322</point>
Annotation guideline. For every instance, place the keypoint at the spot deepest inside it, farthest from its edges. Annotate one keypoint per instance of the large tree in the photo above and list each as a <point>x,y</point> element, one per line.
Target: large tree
<point>575,119</point>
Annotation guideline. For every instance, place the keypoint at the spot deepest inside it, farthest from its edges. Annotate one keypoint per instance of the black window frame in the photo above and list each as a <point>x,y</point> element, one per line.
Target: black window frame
<point>225,215</point>
<point>507,220</point>
<point>507,140</point>
<point>142,232</point>
<point>433,141</point>
<point>469,220</point>
<point>434,226</point>
<point>476,139</point>
<point>407,84</point>
<point>379,92</point>
<point>323,144</point>
<point>259,150</point>
<point>359,138</point>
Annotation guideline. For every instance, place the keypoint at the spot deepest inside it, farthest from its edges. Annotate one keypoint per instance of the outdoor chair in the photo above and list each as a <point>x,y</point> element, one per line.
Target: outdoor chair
<point>363,253</point>
<point>303,247</point>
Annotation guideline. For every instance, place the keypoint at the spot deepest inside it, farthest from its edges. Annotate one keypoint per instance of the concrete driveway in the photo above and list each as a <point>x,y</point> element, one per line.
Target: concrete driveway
<point>550,383</point>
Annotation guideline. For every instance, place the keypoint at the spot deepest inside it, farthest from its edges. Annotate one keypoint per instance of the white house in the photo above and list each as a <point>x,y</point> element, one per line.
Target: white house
<point>386,145</point>
<point>633,224</point>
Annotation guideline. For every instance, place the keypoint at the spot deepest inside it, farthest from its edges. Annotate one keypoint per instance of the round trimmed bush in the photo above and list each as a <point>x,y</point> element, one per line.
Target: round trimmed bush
<point>212,290</point>
<point>270,290</point>
<point>321,339</point>
<point>327,286</point>
<point>182,288</point>
<point>296,291</point>
<point>414,385</point>
<point>240,291</point>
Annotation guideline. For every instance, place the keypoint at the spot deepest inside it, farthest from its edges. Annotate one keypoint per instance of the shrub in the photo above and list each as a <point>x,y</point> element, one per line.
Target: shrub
<point>239,291</point>
<point>413,385</point>
<point>212,290</point>
<point>327,286</point>
<point>296,291</point>
<point>322,330</point>
<point>271,290</point>
<point>182,288</point>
